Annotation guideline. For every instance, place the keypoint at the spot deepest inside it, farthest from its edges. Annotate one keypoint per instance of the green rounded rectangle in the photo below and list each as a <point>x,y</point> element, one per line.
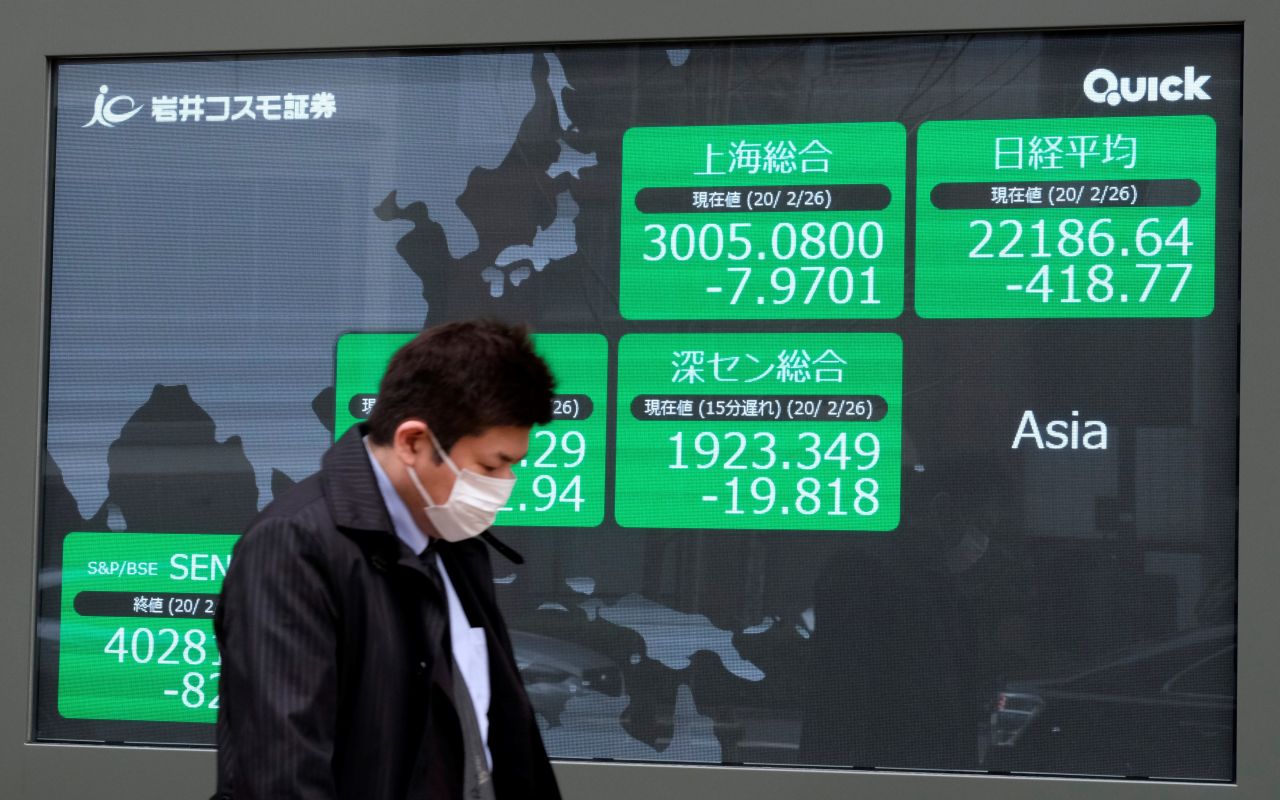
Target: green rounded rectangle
<point>561,481</point>
<point>759,431</point>
<point>144,648</point>
<point>1090,217</point>
<point>756,222</point>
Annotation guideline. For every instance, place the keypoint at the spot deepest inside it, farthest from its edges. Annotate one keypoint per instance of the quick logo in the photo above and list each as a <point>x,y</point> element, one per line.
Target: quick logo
<point>1102,86</point>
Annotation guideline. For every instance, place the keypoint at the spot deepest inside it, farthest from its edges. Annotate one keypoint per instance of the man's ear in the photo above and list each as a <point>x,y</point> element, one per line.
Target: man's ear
<point>410,437</point>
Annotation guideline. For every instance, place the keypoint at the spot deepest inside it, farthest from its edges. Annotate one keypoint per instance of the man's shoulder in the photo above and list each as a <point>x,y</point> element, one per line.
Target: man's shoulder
<point>295,528</point>
<point>302,504</point>
<point>320,514</point>
<point>300,519</point>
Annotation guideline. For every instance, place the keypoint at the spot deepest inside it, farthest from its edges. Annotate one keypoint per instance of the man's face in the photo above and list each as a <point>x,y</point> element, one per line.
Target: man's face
<point>491,453</point>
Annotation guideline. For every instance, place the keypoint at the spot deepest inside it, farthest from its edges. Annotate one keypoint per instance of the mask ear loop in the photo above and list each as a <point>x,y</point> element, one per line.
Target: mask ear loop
<point>413,473</point>
<point>440,450</point>
<point>413,476</point>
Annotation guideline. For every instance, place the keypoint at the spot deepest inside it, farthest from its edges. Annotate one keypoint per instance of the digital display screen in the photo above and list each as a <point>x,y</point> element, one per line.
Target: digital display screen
<point>896,411</point>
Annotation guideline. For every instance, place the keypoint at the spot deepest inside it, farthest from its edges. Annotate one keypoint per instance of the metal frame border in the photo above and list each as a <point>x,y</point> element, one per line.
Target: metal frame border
<point>33,31</point>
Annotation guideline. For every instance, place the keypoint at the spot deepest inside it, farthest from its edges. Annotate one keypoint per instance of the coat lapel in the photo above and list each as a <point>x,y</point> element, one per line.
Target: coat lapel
<point>356,504</point>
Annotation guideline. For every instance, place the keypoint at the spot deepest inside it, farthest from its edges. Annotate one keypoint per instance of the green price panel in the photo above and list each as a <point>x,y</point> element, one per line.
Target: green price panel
<point>763,221</point>
<point>137,626</point>
<point>762,431</point>
<point>1095,217</point>
<point>561,482</point>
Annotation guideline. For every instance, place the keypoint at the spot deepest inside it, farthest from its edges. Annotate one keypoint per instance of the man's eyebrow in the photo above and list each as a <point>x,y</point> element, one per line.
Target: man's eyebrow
<point>507,458</point>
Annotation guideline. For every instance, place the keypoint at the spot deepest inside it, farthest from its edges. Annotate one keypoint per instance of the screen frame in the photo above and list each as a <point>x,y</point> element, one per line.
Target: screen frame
<point>36,31</point>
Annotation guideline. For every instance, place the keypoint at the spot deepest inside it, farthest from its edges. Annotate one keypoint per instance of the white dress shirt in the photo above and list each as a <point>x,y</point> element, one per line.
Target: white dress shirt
<point>470,649</point>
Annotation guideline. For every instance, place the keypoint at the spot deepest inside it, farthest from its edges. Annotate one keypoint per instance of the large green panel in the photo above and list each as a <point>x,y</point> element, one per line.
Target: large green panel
<point>137,625</point>
<point>759,431</point>
<point>763,221</point>
<point>1096,217</point>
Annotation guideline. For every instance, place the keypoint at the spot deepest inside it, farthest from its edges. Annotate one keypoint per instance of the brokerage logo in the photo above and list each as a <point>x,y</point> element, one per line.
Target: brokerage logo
<point>1102,86</point>
<point>104,110</point>
<point>199,108</point>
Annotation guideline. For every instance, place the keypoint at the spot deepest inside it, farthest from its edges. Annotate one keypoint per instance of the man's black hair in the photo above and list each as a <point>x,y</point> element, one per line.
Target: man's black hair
<point>461,379</point>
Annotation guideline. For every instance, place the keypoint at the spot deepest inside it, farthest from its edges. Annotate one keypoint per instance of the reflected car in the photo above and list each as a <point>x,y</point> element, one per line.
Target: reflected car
<point>1161,710</point>
<point>554,671</point>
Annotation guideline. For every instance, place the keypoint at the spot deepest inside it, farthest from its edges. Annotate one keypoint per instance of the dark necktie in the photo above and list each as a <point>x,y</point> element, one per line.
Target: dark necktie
<point>477,782</point>
<point>438,624</point>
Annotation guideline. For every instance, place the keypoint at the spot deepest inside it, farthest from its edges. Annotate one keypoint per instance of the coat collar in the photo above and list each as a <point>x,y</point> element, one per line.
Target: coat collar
<point>355,501</point>
<point>356,505</point>
<point>350,488</point>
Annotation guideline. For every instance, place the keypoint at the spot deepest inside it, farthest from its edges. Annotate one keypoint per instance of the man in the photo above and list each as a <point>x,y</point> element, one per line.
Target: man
<point>363,653</point>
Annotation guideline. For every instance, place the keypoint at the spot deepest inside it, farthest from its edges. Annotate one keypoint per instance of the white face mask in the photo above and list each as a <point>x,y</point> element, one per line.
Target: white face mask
<point>472,505</point>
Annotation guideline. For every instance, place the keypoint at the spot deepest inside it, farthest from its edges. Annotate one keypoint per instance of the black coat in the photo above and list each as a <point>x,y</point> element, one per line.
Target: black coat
<point>333,683</point>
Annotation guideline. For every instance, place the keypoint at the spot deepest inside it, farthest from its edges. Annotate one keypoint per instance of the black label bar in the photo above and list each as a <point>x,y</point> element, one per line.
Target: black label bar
<point>698,199</point>
<point>777,408</point>
<point>161,605</point>
<point>1065,194</point>
<point>563,406</point>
